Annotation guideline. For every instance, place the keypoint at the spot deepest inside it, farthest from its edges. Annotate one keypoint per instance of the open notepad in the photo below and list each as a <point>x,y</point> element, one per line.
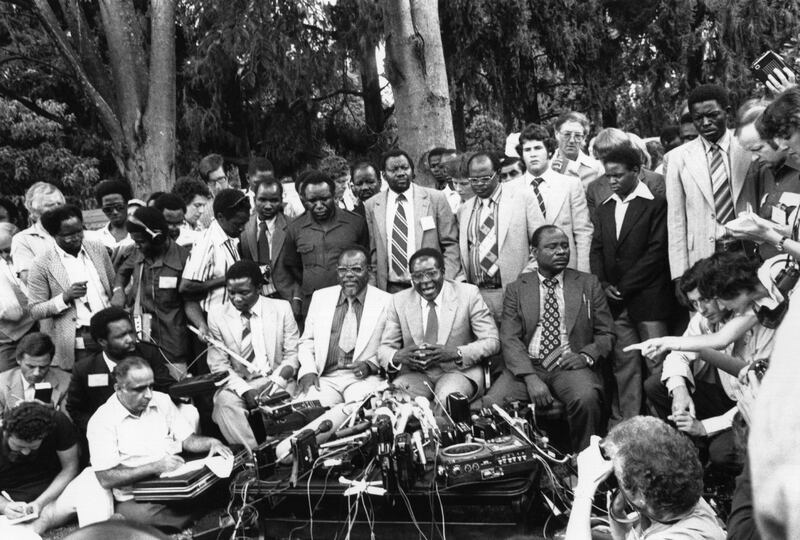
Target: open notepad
<point>219,465</point>
<point>24,519</point>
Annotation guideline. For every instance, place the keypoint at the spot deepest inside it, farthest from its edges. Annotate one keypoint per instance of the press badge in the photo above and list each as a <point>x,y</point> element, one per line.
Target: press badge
<point>426,222</point>
<point>98,379</point>
<point>79,344</point>
<point>168,282</point>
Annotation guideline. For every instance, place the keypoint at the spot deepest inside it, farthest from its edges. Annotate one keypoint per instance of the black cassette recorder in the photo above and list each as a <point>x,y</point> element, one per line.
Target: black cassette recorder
<point>473,462</point>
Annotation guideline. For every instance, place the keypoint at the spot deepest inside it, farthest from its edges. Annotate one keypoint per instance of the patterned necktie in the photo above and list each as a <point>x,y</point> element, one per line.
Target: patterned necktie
<point>347,337</point>
<point>264,255</point>
<point>400,238</point>
<point>432,326</point>
<point>487,241</point>
<point>550,339</point>
<point>723,202</point>
<point>247,338</point>
<point>536,183</point>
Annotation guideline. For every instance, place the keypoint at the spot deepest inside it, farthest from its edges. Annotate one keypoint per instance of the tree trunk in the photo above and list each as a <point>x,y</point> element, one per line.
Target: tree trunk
<point>459,124</point>
<point>416,70</point>
<point>370,85</point>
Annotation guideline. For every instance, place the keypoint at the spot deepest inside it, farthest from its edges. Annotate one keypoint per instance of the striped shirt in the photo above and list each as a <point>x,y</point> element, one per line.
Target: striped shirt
<point>213,253</point>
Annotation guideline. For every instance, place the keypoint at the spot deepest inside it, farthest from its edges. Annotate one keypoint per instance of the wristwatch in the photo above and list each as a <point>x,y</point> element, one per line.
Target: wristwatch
<point>779,246</point>
<point>589,359</point>
<point>460,360</point>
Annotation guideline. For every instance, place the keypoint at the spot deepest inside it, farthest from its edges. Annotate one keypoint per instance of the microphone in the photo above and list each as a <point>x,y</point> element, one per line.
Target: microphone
<point>358,428</point>
<point>324,427</point>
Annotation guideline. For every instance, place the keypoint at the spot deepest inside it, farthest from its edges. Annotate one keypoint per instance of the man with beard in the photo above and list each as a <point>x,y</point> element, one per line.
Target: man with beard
<point>556,331</point>
<point>264,237</point>
<point>315,239</point>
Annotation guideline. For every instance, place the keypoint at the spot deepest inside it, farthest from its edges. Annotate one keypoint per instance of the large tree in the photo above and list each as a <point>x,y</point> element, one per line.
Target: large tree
<point>416,70</point>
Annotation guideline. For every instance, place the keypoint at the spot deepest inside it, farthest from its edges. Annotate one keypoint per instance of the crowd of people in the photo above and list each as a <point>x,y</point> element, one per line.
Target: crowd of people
<point>560,271</point>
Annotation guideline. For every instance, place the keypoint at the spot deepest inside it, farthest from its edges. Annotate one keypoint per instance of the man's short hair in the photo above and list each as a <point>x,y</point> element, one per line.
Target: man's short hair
<point>34,195</point>
<point>491,156</point>
<point>169,201</point>
<point>230,202</point>
<point>245,269</point>
<point>393,153</point>
<point>625,155</point>
<point>52,219</point>
<point>29,421</point>
<point>668,134</point>
<point>259,164</point>
<point>353,248</point>
<point>35,344</point>
<point>360,165</point>
<point>98,324</point>
<point>608,139</point>
<point>148,217</point>
<point>510,160</point>
<point>709,92</point>
<point>425,253</point>
<point>209,164</point>
<point>188,188</point>
<point>128,363</point>
<point>782,117</point>
<point>313,177</point>
<point>334,166</point>
<point>656,460</point>
<point>749,112</point>
<point>255,186</point>
<point>112,187</point>
<point>535,132</point>
<point>728,275</point>
<point>690,280</point>
<point>572,116</point>
<point>536,237</point>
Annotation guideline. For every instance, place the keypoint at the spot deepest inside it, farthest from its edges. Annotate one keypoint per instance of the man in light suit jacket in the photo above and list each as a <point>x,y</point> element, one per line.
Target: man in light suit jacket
<point>34,356</point>
<point>263,237</point>
<point>263,332</point>
<point>560,198</point>
<point>438,333</point>
<point>405,218</point>
<point>339,346</point>
<point>705,180</point>
<point>494,231</point>
<point>68,284</point>
<point>556,331</point>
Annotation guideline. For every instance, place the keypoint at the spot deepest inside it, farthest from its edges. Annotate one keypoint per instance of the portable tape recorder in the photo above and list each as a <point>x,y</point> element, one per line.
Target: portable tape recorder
<point>472,462</point>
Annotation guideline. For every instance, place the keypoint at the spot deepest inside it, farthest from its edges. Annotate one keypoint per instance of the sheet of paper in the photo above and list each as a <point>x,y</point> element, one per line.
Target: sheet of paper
<point>219,465</point>
<point>24,519</point>
<point>189,466</point>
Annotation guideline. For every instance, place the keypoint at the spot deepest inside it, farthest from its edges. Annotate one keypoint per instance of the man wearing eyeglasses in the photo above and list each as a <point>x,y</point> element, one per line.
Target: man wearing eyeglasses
<point>339,346</point>
<point>438,333</point>
<point>112,196</point>
<point>212,171</point>
<point>495,227</point>
<point>68,284</point>
<point>571,131</point>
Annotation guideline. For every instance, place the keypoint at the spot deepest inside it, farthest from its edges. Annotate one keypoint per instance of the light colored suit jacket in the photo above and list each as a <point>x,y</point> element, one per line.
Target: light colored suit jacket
<point>11,392</point>
<point>691,213</point>
<point>565,204</point>
<point>518,216</point>
<point>465,322</point>
<point>313,348</point>
<point>47,281</point>
<point>280,335</point>
<point>444,236</point>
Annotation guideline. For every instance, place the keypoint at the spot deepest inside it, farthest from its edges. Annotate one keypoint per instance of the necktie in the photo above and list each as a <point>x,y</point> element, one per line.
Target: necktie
<point>400,238</point>
<point>487,241</point>
<point>347,337</point>
<point>536,182</point>
<point>432,327</point>
<point>550,339</point>
<point>264,255</point>
<point>247,338</point>
<point>723,202</point>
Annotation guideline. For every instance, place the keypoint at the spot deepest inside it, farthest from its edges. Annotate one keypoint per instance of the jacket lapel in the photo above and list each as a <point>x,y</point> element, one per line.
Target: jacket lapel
<point>381,201</point>
<point>447,311</point>
<point>504,218</point>
<point>573,302</point>
<point>554,200</point>
<point>605,214</point>
<point>278,237</point>
<point>58,271</point>
<point>696,165</point>
<point>530,302</point>
<point>97,260</point>
<point>422,204</point>
<point>635,210</point>
<point>413,315</point>
<point>370,313</point>
<point>740,161</point>
<point>323,320</point>
<point>269,324</point>
<point>249,239</point>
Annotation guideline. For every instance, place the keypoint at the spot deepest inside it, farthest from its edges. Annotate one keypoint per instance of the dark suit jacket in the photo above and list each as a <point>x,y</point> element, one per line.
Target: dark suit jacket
<point>638,263</point>
<point>248,244</point>
<point>589,324</point>
<point>600,190</point>
<point>83,400</point>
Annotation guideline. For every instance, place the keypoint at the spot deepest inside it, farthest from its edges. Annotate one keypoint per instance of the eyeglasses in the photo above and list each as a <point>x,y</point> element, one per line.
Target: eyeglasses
<point>481,179</point>
<point>344,270</point>
<point>113,208</point>
<point>575,136</point>
<point>418,277</point>
<point>218,180</point>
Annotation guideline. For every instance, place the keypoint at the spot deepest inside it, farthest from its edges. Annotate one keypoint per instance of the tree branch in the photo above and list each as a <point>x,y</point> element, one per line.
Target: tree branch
<point>35,61</point>
<point>33,107</point>
<point>340,92</point>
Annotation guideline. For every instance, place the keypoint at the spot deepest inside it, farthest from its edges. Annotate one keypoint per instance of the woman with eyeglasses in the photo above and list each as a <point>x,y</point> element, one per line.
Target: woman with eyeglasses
<point>659,485</point>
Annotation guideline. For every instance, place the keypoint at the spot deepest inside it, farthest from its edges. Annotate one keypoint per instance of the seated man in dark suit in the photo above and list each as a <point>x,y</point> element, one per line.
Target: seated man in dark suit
<point>629,256</point>
<point>555,345</point>
<point>92,383</point>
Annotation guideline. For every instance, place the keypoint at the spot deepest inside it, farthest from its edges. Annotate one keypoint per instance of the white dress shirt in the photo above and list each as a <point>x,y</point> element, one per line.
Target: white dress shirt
<point>536,340</point>
<point>621,208</point>
<point>438,308</point>
<point>724,144</point>
<point>79,269</point>
<point>391,208</point>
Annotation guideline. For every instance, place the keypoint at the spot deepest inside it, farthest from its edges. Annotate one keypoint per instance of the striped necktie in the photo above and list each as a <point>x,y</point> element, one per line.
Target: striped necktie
<point>487,240</point>
<point>247,338</point>
<point>400,238</point>
<point>536,183</point>
<point>723,201</point>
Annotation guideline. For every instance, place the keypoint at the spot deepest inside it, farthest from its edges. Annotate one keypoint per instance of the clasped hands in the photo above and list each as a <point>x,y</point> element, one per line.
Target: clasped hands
<point>421,357</point>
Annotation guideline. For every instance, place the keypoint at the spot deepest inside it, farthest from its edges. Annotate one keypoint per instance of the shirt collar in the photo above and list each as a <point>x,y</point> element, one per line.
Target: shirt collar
<point>641,190</point>
<point>63,254</point>
<point>218,236</point>
<point>558,277</point>
<point>109,363</point>
<point>409,194</point>
<point>121,413</point>
<point>494,197</point>
<point>360,297</point>
<point>437,300</point>
<point>25,384</point>
<point>724,142</point>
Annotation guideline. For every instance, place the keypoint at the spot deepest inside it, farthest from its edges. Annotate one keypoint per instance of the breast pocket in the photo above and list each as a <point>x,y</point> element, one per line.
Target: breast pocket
<point>309,254</point>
